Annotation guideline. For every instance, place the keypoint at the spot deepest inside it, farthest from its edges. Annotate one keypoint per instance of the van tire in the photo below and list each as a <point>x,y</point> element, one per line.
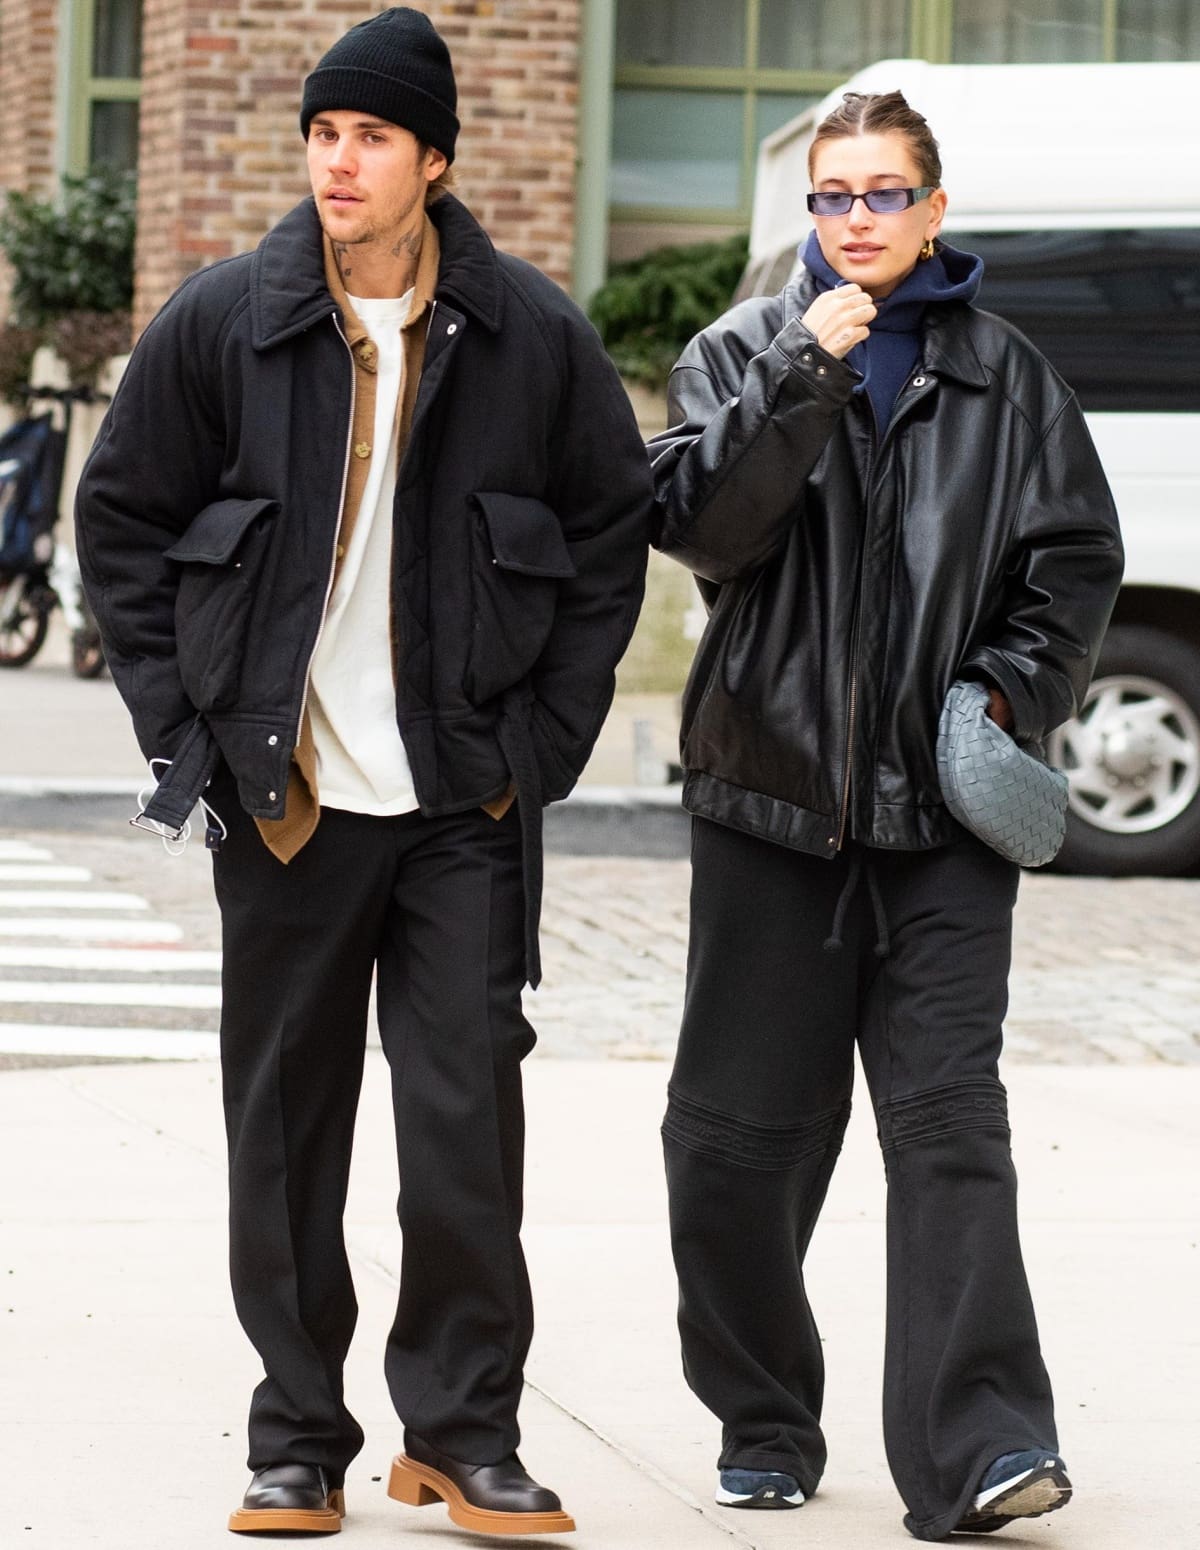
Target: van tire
<point>1142,708</point>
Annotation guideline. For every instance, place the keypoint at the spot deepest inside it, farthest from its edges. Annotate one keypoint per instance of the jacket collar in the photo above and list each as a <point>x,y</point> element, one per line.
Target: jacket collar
<point>288,289</point>
<point>947,347</point>
<point>470,270</point>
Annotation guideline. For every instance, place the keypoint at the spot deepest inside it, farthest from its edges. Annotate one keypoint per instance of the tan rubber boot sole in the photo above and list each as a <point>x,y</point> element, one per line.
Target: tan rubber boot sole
<point>291,1520</point>
<point>416,1485</point>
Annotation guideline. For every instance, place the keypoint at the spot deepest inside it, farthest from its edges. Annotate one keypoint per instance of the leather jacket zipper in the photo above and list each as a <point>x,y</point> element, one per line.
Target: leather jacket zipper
<point>844,812</point>
<point>336,531</point>
<point>877,445</point>
<point>852,707</point>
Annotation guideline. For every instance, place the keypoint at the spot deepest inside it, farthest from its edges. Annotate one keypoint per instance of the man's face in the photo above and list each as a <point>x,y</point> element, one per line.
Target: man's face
<point>368,177</point>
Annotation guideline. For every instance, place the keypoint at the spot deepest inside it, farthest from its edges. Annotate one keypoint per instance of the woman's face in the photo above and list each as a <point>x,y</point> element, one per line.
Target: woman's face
<point>876,251</point>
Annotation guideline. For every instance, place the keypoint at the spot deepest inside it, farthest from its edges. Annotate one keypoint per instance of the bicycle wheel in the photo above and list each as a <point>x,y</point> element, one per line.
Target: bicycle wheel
<point>23,623</point>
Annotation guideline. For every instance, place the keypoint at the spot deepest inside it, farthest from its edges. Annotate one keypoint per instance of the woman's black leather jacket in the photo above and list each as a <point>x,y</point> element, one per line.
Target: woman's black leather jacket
<point>853,574</point>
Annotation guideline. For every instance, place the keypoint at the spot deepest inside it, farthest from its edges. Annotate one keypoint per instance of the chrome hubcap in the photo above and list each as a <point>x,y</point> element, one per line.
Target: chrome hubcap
<point>1132,756</point>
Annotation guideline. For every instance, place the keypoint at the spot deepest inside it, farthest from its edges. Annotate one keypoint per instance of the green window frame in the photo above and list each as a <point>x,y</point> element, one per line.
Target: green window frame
<point>931,36</point>
<point>81,89</point>
<point>752,83</point>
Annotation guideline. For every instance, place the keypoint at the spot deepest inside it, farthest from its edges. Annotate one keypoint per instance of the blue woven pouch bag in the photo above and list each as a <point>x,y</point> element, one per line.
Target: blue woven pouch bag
<point>1003,792</point>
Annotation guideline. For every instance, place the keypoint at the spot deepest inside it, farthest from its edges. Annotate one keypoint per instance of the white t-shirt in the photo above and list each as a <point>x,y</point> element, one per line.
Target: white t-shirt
<point>361,763</point>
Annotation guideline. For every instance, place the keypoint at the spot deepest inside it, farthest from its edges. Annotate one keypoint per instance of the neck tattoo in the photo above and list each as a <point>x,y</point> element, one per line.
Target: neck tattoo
<point>409,245</point>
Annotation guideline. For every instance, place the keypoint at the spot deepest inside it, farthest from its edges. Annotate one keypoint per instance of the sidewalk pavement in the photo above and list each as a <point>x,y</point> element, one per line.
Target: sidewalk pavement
<point>125,1377</point>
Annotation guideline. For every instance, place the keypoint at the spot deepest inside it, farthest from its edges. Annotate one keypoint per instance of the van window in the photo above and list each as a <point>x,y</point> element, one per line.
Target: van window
<point>1116,312</point>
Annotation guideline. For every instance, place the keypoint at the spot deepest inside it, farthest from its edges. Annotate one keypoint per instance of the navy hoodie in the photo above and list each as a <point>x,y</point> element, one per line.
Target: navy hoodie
<point>894,347</point>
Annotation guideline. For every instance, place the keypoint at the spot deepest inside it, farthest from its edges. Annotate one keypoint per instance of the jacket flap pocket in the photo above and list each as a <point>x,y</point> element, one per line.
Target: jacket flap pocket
<point>215,534</point>
<point>525,535</point>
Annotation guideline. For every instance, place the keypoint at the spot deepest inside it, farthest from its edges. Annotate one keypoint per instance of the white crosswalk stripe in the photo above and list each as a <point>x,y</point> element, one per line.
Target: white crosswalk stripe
<point>123,1043</point>
<point>81,929</point>
<point>122,960</point>
<point>18,850</point>
<point>51,936</point>
<point>60,899</point>
<point>42,872</point>
<point>105,993</point>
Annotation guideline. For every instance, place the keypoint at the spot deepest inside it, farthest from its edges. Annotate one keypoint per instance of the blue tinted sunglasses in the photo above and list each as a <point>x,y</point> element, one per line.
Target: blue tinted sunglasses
<point>882,201</point>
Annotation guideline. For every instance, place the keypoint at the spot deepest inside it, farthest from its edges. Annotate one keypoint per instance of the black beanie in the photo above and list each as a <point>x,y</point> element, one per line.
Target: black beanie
<point>394,66</point>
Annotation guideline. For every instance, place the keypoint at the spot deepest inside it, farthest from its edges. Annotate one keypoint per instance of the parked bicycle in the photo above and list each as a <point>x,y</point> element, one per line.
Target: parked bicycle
<point>38,575</point>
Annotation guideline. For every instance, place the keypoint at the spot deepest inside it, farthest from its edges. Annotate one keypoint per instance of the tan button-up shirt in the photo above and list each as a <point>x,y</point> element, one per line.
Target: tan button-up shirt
<point>285,836</point>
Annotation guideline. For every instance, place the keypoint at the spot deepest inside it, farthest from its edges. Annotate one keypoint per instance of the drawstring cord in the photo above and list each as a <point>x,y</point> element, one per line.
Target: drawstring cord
<point>883,942</point>
<point>859,865</point>
<point>833,942</point>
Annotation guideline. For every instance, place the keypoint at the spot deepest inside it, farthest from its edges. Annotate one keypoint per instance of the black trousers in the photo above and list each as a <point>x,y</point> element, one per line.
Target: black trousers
<point>436,907</point>
<point>759,1100</point>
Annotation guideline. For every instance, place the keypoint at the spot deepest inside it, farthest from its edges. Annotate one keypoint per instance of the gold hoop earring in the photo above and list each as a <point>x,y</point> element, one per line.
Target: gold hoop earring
<point>927,248</point>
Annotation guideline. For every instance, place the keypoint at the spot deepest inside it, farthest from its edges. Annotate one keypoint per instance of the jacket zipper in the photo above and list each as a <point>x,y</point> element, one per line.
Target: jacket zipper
<point>852,709</point>
<point>336,531</point>
<point>877,445</point>
<point>844,812</point>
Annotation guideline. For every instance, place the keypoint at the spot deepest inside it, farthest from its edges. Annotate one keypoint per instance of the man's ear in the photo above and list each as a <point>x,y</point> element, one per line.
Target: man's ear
<point>435,164</point>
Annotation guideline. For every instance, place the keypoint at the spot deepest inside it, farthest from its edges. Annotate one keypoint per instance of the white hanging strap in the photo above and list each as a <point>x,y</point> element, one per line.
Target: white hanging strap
<point>175,840</point>
<point>215,832</point>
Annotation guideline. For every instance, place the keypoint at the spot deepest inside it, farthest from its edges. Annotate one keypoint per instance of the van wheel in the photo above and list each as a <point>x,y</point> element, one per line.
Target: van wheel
<point>1132,758</point>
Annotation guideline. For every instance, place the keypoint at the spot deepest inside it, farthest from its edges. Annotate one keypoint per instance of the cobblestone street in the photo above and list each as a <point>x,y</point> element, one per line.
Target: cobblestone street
<point>1104,969</point>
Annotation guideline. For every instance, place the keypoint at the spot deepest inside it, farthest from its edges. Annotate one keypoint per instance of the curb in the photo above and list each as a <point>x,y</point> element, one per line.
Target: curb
<point>645,821</point>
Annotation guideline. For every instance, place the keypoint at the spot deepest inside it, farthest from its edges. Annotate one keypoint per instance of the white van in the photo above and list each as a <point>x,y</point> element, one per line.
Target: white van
<point>1079,186</point>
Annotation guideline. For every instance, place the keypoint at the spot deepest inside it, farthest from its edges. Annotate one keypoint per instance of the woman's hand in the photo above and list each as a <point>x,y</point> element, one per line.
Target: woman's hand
<point>839,319</point>
<point>1000,710</point>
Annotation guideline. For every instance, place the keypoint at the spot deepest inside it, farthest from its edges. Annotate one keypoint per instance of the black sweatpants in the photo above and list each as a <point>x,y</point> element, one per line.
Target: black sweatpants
<point>759,1100</point>
<point>436,906</point>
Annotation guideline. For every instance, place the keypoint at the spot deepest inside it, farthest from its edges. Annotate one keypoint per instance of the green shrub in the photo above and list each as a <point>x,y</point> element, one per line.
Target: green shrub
<point>87,341</point>
<point>74,256</point>
<point>17,348</point>
<point>650,307</point>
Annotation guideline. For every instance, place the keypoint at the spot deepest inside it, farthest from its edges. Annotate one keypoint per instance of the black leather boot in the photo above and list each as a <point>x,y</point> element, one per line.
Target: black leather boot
<point>489,1498</point>
<point>290,1499</point>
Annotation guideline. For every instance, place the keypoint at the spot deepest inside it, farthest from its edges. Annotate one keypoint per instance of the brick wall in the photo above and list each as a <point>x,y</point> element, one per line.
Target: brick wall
<point>28,93</point>
<point>222,158</point>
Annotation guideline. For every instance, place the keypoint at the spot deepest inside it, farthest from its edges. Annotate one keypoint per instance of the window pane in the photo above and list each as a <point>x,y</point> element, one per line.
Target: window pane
<point>1027,32</point>
<point>1158,29</point>
<point>841,35</point>
<point>115,135</point>
<point>677,148</point>
<point>1117,312</point>
<point>773,109</point>
<point>679,32</point>
<point>117,50</point>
